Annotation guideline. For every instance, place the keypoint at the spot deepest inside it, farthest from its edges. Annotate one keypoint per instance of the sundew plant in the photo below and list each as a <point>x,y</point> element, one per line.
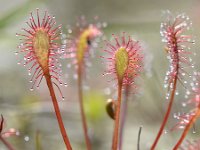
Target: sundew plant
<point>79,51</point>
<point>41,51</point>
<point>99,75</point>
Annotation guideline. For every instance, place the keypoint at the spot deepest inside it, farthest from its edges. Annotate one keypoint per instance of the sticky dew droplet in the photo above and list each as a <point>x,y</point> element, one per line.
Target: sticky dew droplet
<point>26,138</point>
<point>17,133</point>
<point>165,131</point>
<point>188,92</point>
<point>65,84</point>
<point>194,129</point>
<point>175,115</point>
<point>16,53</point>
<point>184,104</point>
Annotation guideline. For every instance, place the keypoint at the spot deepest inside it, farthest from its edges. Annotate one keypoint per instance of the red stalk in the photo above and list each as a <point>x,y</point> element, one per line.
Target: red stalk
<point>80,94</point>
<point>8,145</point>
<point>187,128</point>
<point>166,114</point>
<point>57,112</point>
<point>117,118</point>
<point>123,116</point>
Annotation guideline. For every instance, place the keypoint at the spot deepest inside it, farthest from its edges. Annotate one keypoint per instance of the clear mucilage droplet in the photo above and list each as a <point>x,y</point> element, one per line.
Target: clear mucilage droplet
<point>184,104</point>
<point>26,138</point>
<point>165,131</point>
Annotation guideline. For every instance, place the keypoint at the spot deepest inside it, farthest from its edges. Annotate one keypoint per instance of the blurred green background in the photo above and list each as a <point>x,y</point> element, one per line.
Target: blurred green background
<point>32,112</point>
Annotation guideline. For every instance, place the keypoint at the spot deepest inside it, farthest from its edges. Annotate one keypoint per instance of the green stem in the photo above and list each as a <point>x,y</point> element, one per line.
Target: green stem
<point>80,94</point>
<point>57,112</point>
<point>166,114</point>
<point>117,118</point>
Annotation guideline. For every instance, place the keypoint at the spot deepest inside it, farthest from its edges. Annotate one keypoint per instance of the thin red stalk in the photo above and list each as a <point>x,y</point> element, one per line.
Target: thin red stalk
<point>187,128</point>
<point>8,145</point>
<point>123,116</point>
<point>117,118</point>
<point>166,114</point>
<point>80,94</point>
<point>57,112</point>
